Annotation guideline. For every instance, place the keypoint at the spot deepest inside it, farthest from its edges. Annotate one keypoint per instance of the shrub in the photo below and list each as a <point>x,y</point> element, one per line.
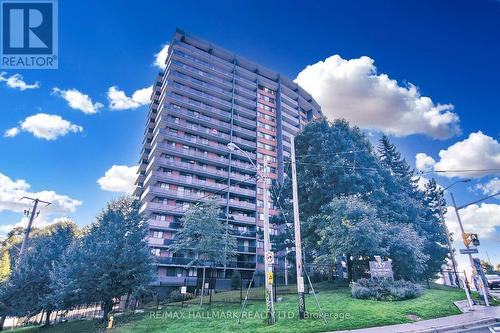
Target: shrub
<point>385,289</point>
<point>176,296</point>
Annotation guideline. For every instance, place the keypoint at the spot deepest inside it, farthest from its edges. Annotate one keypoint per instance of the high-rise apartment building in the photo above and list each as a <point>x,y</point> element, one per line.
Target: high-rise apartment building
<point>205,98</point>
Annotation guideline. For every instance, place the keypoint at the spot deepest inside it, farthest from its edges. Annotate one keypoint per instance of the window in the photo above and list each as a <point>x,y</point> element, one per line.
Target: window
<point>155,251</point>
<point>267,90</point>
<point>266,136</point>
<point>266,98</point>
<point>163,185</point>
<point>265,107</point>
<point>266,126</point>
<point>156,234</point>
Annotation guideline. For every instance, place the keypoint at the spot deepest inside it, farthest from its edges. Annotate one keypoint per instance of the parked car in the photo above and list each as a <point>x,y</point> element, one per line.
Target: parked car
<point>493,280</point>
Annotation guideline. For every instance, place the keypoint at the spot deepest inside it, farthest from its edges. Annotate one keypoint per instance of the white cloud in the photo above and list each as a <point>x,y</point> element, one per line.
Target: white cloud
<point>119,101</point>
<point>422,181</point>
<point>491,187</point>
<point>45,126</point>
<point>482,219</point>
<point>477,152</point>
<point>119,178</point>
<point>424,162</point>
<point>16,81</point>
<point>78,100</point>
<point>12,132</point>
<point>353,90</point>
<point>161,56</point>
<point>11,191</point>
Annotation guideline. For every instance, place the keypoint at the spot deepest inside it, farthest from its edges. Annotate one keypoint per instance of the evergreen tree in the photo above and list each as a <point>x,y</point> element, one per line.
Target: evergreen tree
<point>432,228</point>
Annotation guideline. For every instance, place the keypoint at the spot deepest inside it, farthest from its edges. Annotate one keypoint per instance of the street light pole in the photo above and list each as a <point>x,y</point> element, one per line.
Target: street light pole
<point>448,240</point>
<point>298,241</point>
<point>268,279</point>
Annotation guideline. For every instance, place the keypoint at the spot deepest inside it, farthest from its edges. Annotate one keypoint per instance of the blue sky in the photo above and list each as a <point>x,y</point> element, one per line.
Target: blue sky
<point>449,50</point>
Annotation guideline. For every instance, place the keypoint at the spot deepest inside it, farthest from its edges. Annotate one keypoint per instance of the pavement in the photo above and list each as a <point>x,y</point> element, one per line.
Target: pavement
<point>480,319</point>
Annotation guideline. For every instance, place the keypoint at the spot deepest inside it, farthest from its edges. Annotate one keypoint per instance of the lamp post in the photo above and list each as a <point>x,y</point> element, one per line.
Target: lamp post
<point>450,247</point>
<point>268,279</point>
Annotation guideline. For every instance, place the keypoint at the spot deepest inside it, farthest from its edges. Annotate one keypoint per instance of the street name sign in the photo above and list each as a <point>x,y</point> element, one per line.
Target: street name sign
<point>469,251</point>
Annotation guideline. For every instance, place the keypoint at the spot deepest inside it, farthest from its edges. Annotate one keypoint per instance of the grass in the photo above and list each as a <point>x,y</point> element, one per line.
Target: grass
<point>344,311</point>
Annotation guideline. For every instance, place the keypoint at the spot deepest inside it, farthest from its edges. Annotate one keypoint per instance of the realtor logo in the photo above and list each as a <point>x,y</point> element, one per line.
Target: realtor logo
<point>29,34</point>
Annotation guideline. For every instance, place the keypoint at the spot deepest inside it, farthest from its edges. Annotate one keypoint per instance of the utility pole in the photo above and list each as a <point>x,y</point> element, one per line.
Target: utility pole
<point>30,222</point>
<point>298,241</point>
<point>269,277</point>
<point>450,248</point>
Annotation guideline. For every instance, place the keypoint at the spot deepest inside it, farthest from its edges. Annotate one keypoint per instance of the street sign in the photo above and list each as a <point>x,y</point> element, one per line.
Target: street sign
<point>300,284</point>
<point>270,278</point>
<point>381,269</point>
<point>471,250</point>
<point>269,257</point>
<point>183,289</point>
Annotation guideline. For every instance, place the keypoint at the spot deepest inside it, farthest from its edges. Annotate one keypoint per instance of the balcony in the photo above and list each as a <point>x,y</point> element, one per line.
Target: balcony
<point>201,107</point>
<point>163,225</point>
<point>185,261</point>
<point>162,208</point>
<point>183,166</point>
<point>189,154</point>
<point>197,117</point>
<point>248,249</point>
<point>202,85</point>
<point>200,94</point>
<point>242,204</point>
<point>185,180</point>
<point>242,218</point>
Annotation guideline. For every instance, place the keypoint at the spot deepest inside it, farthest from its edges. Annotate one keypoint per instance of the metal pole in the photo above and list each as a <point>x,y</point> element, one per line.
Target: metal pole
<point>28,228</point>
<point>298,241</point>
<point>450,247</point>
<point>461,229</point>
<point>267,248</point>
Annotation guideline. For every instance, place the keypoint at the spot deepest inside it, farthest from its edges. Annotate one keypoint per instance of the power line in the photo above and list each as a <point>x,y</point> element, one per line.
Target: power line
<point>337,153</point>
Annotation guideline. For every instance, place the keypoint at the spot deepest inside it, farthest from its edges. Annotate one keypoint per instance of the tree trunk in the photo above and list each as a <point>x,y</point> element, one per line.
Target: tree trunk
<point>2,321</point>
<point>47,318</point>
<point>108,306</point>
<point>127,301</point>
<point>349,268</point>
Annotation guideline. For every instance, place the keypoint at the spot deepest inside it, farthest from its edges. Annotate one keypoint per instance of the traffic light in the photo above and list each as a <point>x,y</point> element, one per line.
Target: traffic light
<point>470,238</point>
<point>475,240</point>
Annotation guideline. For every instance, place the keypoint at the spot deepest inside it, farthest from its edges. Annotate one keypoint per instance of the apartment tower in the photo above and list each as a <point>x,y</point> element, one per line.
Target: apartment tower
<point>206,98</point>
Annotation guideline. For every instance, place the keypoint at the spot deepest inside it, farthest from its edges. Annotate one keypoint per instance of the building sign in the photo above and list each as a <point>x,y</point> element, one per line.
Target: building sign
<point>381,269</point>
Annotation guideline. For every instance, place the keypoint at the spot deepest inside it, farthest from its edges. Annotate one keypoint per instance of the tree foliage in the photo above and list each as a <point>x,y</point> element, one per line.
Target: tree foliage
<point>357,202</point>
<point>204,236</point>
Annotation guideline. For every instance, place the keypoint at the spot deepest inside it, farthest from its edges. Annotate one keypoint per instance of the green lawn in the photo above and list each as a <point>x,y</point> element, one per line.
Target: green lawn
<point>345,313</point>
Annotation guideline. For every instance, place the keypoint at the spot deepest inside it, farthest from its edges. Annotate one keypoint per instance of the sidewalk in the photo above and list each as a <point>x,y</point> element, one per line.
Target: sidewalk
<point>480,316</point>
